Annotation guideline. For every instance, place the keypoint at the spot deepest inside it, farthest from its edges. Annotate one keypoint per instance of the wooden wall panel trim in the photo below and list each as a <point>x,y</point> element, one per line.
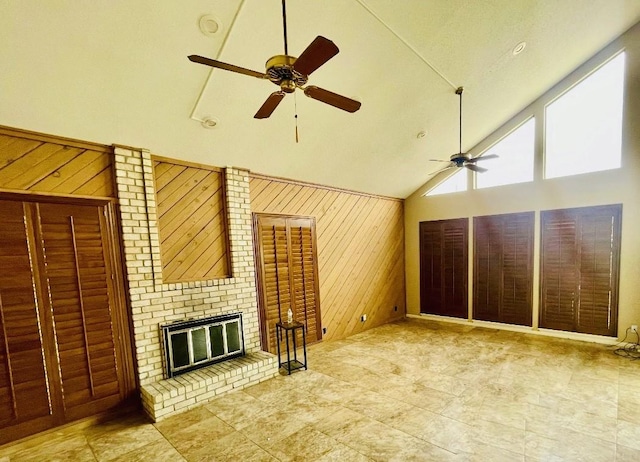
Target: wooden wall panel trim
<point>42,137</point>
<point>268,178</point>
<point>360,244</point>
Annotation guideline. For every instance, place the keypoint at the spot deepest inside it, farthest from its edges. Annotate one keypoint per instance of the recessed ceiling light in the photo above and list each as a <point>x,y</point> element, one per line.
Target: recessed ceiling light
<point>421,134</point>
<point>209,122</point>
<point>519,48</point>
<point>209,25</point>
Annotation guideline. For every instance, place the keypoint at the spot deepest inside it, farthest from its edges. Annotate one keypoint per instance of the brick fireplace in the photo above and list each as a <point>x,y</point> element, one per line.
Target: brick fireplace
<point>155,304</point>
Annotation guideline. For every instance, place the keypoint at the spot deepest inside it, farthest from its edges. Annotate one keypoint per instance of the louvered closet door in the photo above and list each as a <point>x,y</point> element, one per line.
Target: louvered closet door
<point>503,268</point>
<point>444,267</point>
<point>303,272</point>
<point>24,399</point>
<point>287,274</point>
<point>74,244</point>
<point>275,283</point>
<point>579,269</point>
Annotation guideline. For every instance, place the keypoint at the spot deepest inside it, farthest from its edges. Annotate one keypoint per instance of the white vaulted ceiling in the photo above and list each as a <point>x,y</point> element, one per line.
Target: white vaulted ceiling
<point>117,72</point>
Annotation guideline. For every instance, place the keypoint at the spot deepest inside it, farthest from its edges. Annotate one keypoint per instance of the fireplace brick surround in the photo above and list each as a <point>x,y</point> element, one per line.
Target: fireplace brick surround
<point>154,303</point>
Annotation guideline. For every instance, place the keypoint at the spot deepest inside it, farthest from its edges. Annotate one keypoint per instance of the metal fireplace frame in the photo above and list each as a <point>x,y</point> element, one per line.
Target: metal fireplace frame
<point>181,327</point>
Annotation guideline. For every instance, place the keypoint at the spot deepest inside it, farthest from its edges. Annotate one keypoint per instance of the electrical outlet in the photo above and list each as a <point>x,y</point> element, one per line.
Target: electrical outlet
<point>363,318</point>
<point>634,328</point>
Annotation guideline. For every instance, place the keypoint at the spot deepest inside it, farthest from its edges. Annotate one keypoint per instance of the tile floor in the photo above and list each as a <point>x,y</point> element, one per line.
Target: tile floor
<point>409,391</point>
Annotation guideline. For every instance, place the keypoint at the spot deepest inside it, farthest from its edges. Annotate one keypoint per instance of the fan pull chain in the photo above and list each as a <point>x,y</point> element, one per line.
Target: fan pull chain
<point>295,105</point>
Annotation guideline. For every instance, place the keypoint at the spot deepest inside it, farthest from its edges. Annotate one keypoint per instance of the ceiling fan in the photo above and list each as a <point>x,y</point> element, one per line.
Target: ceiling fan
<point>289,73</point>
<point>463,159</point>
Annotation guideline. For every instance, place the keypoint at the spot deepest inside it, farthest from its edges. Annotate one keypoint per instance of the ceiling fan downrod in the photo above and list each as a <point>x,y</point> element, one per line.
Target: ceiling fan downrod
<point>459,91</point>
<point>284,26</point>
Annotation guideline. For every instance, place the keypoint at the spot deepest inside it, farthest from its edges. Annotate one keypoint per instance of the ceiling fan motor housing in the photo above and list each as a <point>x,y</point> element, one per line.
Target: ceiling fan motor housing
<point>460,158</point>
<point>280,71</point>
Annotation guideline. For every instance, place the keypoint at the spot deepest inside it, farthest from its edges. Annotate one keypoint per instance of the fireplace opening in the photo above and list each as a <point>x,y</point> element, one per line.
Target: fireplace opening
<point>193,344</point>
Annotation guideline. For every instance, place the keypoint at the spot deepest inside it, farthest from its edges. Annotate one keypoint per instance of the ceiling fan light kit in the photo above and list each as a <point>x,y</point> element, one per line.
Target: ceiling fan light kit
<point>290,73</point>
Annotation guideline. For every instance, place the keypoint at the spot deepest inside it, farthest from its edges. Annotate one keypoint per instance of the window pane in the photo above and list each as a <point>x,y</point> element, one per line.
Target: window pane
<point>456,182</point>
<point>584,126</point>
<point>217,343</point>
<point>199,340</point>
<point>233,337</point>
<point>180,349</point>
<point>515,164</point>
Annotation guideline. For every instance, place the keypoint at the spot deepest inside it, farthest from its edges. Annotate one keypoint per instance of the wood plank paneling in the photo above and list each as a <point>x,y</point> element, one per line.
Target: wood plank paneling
<point>360,241</point>
<point>43,164</point>
<point>191,220</point>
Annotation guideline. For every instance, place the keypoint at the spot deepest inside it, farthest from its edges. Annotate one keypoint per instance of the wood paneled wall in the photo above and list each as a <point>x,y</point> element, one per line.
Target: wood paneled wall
<point>39,163</point>
<point>192,221</point>
<point>360,250</point>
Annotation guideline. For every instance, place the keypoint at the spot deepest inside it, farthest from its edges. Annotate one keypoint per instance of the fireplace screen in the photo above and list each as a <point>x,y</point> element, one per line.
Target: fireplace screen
<point>193,344</point>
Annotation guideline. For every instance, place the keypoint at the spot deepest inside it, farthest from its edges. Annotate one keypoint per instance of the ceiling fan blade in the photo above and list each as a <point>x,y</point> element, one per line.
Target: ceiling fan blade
<point>225,66</point>
<point>439,160</point>
<point>269,105</point>
<point>487,157</point>
<point>332,99</point>
<point>475,168</point>
<point>315,55</point>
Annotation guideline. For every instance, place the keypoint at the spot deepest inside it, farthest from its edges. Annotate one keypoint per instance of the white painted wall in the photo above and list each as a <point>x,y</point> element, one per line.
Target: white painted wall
<point>609,187</point>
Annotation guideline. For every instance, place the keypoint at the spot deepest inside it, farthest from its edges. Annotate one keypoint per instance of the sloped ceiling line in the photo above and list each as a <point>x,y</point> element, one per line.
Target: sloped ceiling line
<point>407,44</point>
<point>218,54</point>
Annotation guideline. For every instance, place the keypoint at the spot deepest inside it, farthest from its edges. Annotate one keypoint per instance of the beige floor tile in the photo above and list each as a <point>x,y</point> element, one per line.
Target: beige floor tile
<point>57,449</point>
<point>567,446</point>
<point>625,454</point>
<point>192,439</point>
<point>411,390</point>
<point>629,434</point>
<point>159,451</point>
<point>233,447</point>
<point>110,445</point>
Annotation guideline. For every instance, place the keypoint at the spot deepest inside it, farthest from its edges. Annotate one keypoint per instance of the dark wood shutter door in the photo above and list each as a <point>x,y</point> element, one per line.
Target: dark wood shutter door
<point>287,274</point>
<point>598,271</point>
<point>503,268</point>
<point>444,267</point>
<point>430,268</point>
<point>579,269</point>
<point>23,381</point>
<point>73,239</point>
<point>559,271</point>
<point>488,267</point>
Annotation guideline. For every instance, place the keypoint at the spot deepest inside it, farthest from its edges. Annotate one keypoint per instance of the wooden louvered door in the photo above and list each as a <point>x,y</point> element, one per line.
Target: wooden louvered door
<point>24,401</point>
<point>286,267</point>
<point>444,267</point>
<point>503,268</point>
<point>78,276</point>
<point>64,346</point>
<point>580,258</point>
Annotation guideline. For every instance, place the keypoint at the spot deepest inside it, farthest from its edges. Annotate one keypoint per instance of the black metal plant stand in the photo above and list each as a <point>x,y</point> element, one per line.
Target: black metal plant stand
<point>291,364</point>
